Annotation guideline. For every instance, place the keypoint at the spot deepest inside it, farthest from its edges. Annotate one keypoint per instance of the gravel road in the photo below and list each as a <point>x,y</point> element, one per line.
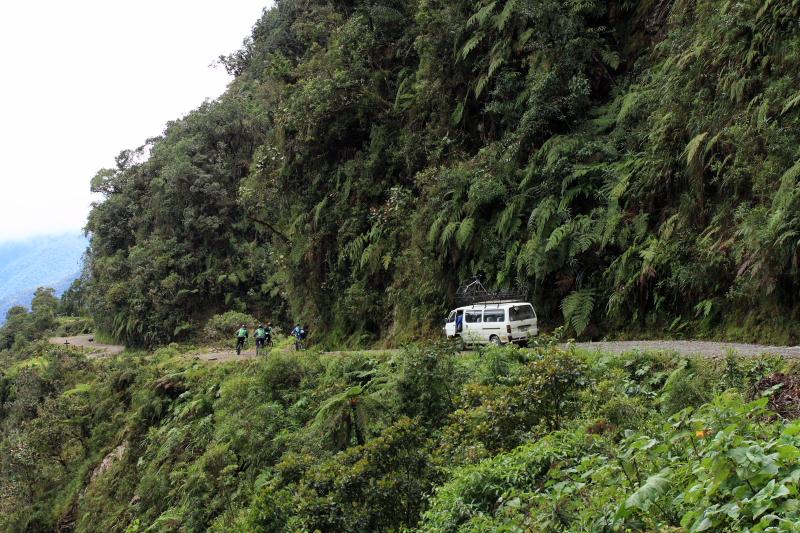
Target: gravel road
<point>91,349</point>
<point>702,348</point>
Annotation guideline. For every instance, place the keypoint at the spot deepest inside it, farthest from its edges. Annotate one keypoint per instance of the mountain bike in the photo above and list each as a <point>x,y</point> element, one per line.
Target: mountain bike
<point>299,344</point>
<point>263,344</point>
<point>239,344</point>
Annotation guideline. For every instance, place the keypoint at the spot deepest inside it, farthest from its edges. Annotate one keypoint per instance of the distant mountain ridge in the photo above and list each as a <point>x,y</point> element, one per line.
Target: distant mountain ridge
<point>46,261</point>
<point>25,296</point>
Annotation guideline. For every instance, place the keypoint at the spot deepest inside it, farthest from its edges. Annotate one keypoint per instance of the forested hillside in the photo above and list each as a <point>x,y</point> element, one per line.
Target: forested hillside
<point>425,440</point>
<point>634,163</point>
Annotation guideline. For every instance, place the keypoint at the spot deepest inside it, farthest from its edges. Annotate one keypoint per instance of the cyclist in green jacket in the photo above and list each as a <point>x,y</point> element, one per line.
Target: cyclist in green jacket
<point>241,335</point>
<point>261,337</point>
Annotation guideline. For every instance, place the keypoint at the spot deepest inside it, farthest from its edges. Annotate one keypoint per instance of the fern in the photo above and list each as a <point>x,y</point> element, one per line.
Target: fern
<point>433,233</point>
<point>471,44</point>
<point>543,212</point>
<point>790,103</point>
<point>610,58</point>
<point>790,176</point>
<point>704,308</point>
<point>505,15</point>
<point>465,230</point>
<point>448,233</point>
<point>693,148</point>
<point>557,237</point>
<point>508,221</point>
<point>577,309</point>
<point>458,113</point>
<point>482,15</point>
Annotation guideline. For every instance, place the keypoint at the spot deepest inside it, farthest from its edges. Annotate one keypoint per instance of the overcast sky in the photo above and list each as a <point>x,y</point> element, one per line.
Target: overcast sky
<point>85,79</point>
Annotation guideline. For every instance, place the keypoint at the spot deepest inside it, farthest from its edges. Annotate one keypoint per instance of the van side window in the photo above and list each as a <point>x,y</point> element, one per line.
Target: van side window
<point>472,316</point>
<point>521,312</point>
<point>451,317</point>
<point>495,315</point>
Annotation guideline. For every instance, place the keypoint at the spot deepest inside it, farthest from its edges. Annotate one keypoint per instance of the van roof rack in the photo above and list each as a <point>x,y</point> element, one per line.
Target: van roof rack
<point>473,292</point>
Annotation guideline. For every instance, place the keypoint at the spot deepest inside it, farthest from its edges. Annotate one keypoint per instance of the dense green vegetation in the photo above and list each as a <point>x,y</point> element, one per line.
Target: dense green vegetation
<point>424,440</point>
<point>633,162</point>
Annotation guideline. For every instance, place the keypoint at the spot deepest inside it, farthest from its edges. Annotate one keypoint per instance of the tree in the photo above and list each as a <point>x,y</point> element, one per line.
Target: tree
<point>347,415</point>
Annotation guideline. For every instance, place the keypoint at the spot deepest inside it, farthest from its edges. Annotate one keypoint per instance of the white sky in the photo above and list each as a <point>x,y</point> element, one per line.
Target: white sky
<point>82,80</point>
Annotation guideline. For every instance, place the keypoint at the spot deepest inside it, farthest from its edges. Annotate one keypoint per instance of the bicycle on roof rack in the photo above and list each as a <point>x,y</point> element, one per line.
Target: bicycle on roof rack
<point>473,291</point>
<point>497,316</point>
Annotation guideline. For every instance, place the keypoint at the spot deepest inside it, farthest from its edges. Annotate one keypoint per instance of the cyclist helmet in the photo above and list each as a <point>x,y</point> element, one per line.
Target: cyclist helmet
<point>269,323</point>
<point>260,326</point>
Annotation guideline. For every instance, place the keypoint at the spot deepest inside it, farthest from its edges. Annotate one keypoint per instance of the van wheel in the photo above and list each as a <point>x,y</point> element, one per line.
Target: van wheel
<point>494,339</point>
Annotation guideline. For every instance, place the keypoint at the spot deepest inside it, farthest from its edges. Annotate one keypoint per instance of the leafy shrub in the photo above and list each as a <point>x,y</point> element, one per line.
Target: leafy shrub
<point>72,327</point>
<point>380,486</point>
<point>475,492</point>
<point>428,382</point>
<point>538,398</point>
<point>689,385</point>
<point>166,352</point>
<point>224,326</point>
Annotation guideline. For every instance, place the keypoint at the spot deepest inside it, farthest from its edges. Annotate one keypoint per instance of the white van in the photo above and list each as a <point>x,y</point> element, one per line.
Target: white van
<point>495,322</point>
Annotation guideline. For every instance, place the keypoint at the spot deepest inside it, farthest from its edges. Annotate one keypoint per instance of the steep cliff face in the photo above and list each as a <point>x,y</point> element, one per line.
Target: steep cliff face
<point>633,163</point>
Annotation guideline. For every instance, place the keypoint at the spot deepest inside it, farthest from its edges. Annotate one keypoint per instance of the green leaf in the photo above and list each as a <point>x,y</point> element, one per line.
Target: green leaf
<point>693,147</point>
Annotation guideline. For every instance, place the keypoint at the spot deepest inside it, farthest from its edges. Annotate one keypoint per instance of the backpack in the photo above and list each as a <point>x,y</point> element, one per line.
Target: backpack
<point>301,333</point>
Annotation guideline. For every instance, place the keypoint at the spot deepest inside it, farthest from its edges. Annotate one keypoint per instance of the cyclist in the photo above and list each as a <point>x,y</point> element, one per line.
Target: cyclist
<point>241,335</point>
<point>300,334</point>
<point>261,337</point>
<point>269,331</point>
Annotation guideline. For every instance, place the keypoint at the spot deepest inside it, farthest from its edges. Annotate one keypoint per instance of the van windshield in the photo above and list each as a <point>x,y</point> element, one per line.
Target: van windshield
<point>521,312</point>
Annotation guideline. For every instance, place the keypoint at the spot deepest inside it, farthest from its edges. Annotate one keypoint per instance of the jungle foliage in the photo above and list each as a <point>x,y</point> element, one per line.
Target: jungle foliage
<point>633,162</point>
<point>423,440</point>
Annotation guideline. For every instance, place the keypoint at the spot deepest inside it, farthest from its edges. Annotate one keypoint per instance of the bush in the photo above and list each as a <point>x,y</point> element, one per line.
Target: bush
<point>224,326</point>
<point>72,327</point>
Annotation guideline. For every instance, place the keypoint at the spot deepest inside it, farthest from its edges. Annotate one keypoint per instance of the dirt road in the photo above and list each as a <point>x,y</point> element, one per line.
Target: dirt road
<point>90,348</point>
<point>702,348</point>
<point>95,350</point>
